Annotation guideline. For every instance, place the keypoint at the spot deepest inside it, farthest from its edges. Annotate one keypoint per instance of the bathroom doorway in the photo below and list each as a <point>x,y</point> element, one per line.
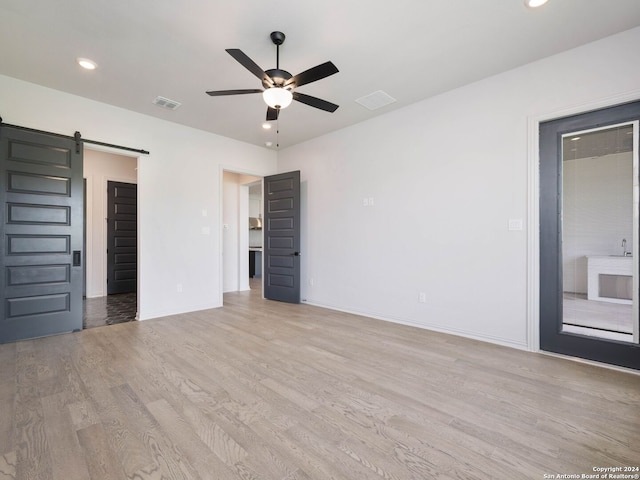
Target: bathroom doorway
<point>589,210</point>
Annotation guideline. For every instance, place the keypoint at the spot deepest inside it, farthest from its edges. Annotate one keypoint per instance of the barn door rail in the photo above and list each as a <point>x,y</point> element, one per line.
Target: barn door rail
<point>77,137</point>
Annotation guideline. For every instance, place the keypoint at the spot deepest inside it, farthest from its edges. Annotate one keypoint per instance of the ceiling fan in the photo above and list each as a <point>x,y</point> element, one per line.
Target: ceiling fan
<point>279,84</point>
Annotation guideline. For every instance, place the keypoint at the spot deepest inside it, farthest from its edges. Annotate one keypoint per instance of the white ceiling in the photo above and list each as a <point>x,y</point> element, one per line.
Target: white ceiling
<point>410,49</point>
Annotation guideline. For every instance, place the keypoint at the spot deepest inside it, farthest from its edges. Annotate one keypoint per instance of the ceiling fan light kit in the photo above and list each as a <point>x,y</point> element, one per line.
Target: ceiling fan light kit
<point>279,85</point>
<point>277,97</point>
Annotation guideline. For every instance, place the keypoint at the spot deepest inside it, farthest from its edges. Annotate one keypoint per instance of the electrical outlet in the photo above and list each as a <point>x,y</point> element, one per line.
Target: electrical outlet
<point>179,287</point>
<point>311,282</point>
<point>422,297</point>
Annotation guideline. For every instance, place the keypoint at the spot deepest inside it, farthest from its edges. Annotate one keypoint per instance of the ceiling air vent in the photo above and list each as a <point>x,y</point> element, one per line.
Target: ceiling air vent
<point>166,103</point>
<point>376,100</point>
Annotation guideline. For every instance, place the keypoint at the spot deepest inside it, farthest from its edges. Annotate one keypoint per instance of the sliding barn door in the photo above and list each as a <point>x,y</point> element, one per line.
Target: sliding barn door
<point>42,234</point>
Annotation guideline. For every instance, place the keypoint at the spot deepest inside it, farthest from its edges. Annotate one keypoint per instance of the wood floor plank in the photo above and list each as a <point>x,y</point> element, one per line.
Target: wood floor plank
<point>8,386</point>
<point>31,444</point>
<point>264,390</point>
<point>102,462</point>
<point>66,453</point>
<point>8,464</point>
<point>205,461</point>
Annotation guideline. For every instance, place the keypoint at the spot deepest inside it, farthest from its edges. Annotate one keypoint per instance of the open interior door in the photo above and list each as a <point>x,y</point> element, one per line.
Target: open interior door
<point>282,237</point>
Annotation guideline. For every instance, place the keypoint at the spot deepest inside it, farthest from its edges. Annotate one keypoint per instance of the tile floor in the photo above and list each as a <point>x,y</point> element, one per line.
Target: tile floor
<point>109,310</point>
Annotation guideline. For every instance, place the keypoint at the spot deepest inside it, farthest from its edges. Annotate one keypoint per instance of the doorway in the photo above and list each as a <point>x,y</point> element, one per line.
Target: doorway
<point>589,210</point>
<point>241,242</point>
<point>101,168</point>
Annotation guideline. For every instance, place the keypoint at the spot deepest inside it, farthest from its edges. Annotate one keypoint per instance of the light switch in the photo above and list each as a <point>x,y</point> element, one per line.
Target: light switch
<point>206,230</point>
<point>204,212</point>
<point>515,224</point>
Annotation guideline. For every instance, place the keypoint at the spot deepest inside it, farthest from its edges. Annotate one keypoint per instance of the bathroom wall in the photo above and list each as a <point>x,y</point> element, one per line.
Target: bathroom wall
<point>597,213</point>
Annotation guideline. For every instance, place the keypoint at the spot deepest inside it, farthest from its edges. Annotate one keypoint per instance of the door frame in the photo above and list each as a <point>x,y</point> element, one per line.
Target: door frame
<point>533,207</point>
<point>89,249</point>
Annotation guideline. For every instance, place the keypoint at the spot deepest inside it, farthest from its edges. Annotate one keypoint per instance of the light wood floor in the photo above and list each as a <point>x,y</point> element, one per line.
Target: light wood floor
<point>262,390</point>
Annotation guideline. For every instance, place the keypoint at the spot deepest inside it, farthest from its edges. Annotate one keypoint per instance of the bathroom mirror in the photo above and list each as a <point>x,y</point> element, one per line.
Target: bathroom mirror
<point>600,233</point>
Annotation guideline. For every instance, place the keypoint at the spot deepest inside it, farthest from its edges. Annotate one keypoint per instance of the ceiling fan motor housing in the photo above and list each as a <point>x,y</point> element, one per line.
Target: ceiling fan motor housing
<point>278,76</point>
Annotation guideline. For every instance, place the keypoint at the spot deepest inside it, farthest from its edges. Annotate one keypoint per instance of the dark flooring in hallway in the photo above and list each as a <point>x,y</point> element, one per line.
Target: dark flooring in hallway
<point>109,310</point>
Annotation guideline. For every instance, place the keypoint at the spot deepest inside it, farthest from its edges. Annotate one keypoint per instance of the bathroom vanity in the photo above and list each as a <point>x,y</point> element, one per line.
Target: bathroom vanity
<point>610,278</point>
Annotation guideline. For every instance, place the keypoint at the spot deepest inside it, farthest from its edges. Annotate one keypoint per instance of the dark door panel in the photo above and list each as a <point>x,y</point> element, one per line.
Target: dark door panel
<point>42,233</point>
<point>282,237</point>
<point>122,237</point>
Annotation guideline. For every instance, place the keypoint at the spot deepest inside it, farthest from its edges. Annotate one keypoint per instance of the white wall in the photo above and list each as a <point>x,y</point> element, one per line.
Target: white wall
<point>100,168</point>
<point>446,175</point>
<point>179,180</point>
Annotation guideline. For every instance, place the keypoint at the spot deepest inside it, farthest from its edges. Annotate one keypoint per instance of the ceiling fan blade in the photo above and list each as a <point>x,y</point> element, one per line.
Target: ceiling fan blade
<point>220,93</point>
<point>315,102</point>
<point>313,74</point>
<point>272,114</point>
<point>250,65</point>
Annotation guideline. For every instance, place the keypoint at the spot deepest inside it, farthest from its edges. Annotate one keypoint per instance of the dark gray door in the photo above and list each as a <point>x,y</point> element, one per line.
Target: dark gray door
<point>42,234</point>
<point>122,237</point>
<point>282,237</point>
<point>574,321</point>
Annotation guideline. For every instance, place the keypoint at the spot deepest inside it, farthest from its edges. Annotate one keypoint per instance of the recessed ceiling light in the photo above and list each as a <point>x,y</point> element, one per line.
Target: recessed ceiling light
<point>534,3</point>
<point>87,63</point>
<point>268,144</point>
<point>266,126</point>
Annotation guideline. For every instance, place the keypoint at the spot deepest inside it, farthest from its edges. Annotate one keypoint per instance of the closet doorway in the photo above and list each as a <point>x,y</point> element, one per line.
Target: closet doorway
<point>104,171</point>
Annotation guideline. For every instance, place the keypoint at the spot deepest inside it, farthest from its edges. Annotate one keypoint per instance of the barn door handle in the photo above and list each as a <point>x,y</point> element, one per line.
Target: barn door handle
<point>77,258</point>
<point>296,254</point>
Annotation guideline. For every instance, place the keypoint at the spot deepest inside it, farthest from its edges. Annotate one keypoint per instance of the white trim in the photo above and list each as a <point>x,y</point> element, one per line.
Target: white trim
<point>533,203</point>
<point>431,327</point>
